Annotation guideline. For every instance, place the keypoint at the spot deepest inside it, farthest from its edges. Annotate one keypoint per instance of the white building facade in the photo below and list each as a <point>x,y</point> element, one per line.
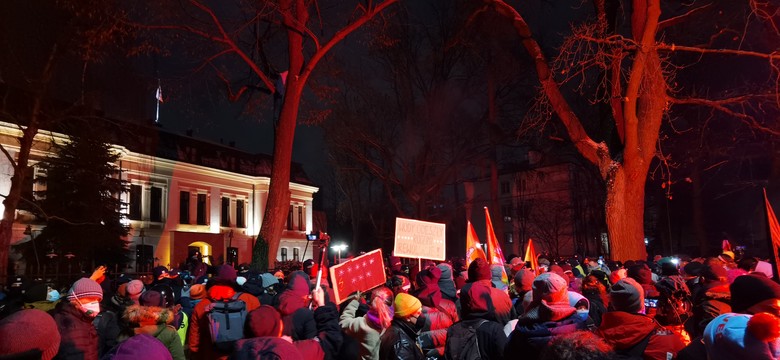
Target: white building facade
<point>185,195</point>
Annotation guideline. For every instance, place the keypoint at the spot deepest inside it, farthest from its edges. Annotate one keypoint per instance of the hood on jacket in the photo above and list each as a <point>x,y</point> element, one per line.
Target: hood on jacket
<point>623,330</point>
<point>446,281</point>
<point>428,287</point>
<point>296,295</point>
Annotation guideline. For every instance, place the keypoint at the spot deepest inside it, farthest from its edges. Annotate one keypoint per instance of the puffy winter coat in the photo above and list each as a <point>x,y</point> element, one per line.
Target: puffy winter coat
<point>157,322</point>
<point>399,342</point>
<point>623,330</point>
<point>79,337</point>
<point>709,301</point>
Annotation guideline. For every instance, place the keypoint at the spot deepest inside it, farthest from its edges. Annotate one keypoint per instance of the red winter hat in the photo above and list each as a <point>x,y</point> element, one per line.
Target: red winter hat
<point>264,321</point>
<point>28,331</point>
<point>479,269</point>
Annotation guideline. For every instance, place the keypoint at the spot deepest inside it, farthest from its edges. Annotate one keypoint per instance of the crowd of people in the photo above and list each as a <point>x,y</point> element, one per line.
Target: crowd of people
<point>669,308</point>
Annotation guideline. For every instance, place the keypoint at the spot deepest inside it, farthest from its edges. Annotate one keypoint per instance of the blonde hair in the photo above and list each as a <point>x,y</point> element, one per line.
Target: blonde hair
<point>381,301</point>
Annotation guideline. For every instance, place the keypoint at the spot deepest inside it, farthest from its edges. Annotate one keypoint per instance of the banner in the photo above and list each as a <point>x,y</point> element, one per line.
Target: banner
<point>419,239</point>
<point>473,247</point>
<point>530,256</point>
<point>362,273</point>
<point>495,255</point>
<point>774,232</point>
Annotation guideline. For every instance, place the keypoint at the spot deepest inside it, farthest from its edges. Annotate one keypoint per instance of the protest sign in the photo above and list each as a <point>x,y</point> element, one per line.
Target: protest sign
<point>362,273</point>
<point>419,239</point>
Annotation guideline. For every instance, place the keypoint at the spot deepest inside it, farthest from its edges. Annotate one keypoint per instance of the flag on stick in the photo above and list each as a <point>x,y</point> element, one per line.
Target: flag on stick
<point>495,255</point>
<point>473,247</point>
<point>530,255</point>
<point>774,231</point>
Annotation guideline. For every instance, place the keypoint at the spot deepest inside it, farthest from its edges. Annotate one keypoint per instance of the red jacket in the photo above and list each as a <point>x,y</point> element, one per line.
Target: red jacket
<point>198,333</point>
<point>623,330</point>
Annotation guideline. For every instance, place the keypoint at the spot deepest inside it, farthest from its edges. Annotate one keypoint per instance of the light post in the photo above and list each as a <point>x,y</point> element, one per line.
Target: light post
<point>28,231</point>
<point>339,248</point>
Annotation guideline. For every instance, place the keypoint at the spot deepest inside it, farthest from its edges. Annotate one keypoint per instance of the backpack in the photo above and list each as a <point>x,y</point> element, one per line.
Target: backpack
<point>674,305</point>
<point>462,343</point>
<point>226,322</point>
<point>635,352</point>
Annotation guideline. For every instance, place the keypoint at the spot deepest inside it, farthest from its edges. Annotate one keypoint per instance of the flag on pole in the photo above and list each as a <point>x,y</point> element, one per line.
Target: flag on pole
<point>495,255</point>
<point>473,247</point>
<point>774,231</point>
<point>158,95</point>
<point>530,255</point>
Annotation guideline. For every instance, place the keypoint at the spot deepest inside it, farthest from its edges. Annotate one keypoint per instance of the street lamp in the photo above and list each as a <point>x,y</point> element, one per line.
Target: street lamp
<point>339,248</point>
<point>28,231</point>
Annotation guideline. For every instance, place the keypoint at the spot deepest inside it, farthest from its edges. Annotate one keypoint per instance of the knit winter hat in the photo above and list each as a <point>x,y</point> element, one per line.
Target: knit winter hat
<point>266,348</point>
<point>616,275</point>
<point>134,289</point>
<point>227,272</point>
<point>406,305</point>
<point>152,298</point>
<point>85,287</point>
<point>557,269</point>
<point>268,280</point>
<point>496,273</point>
<point>28,332</point>
<point>749,290</point>
<point>197,292</point>
<point>693,268</point>
<point>524,280</point>
<point>641,274</point>
<point>479,269</point>
<point>551,288</point>
<point>141,346</point>
<point>739,336</point>
<point>263,321</point>
<point>627,295</point>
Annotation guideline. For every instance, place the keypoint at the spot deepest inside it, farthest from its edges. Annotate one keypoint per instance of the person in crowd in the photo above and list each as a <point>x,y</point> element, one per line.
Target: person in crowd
<point>743,336</point>
<point>222,287</point>
<point>79,338</point>
<point>548,314</point>
<point>294,307</point>
<point>134,289</point>
<point>629,331</point>
<point>272,348</point>
<point>447,282</point>
<point>141,346</point>
<point>496,274</point>
<point>29,334</point>
<point>266,322</point>
<point>155,317</point>
<point>479,320</point>
<point>674,304</point>
<point>710,300</point>
<point>367,329</point>
<point>596,293</point>
<point>197,293</point>
<point>399,341</point>
<point>479,274</point>
<point>41,297</point>
<point>522,285</point>
<point>399,284</point>
<point>579,345</point>
<point>438,313</point>
<point>751,294</point>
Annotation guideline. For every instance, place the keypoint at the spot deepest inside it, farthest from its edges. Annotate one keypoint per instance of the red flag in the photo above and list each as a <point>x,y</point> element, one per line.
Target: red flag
<point>774,230</point>
<point>362,273</point>
<point>530,255</point>
<point>473,247</point>
<point>495,255</point>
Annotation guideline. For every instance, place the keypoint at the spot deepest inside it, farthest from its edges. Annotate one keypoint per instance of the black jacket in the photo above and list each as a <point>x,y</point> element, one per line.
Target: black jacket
<point>491,340</point>
<point>399,342</point>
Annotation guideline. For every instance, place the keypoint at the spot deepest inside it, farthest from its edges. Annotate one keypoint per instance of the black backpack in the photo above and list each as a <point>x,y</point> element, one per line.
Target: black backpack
<point>462,343</point>
<point>226,322</point>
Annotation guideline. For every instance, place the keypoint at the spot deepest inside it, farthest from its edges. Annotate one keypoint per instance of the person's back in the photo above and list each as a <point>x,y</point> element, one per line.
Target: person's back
<point>625,327</point>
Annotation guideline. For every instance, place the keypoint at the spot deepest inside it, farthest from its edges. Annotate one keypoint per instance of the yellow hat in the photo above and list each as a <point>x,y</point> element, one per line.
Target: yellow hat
<point>406,305</point>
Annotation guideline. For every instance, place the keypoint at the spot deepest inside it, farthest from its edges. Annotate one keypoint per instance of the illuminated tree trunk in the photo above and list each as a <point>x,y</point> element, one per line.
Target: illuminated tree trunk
<point>625,213</point>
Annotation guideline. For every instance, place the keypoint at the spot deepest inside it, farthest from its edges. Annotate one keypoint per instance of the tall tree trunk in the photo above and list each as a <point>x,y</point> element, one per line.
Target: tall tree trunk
<point>699,227</point>
<point>625,214</point>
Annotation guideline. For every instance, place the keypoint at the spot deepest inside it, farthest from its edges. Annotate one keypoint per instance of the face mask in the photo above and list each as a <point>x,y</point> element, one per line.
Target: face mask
<point>53,296</point>
<point>91,309</point>
<point>582,314</point>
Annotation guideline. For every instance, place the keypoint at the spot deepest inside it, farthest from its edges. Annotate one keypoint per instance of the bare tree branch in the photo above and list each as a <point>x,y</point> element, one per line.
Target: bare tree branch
<point>682,18</point>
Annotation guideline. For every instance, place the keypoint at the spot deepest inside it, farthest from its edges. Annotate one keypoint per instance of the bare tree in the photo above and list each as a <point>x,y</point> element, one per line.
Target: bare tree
<point>41,42</point>
<point>240,35</point>
<point>639,67</point>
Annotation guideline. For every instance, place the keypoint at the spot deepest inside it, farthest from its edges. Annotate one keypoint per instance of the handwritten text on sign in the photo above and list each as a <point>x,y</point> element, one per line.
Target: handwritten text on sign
<point>419,239</point>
